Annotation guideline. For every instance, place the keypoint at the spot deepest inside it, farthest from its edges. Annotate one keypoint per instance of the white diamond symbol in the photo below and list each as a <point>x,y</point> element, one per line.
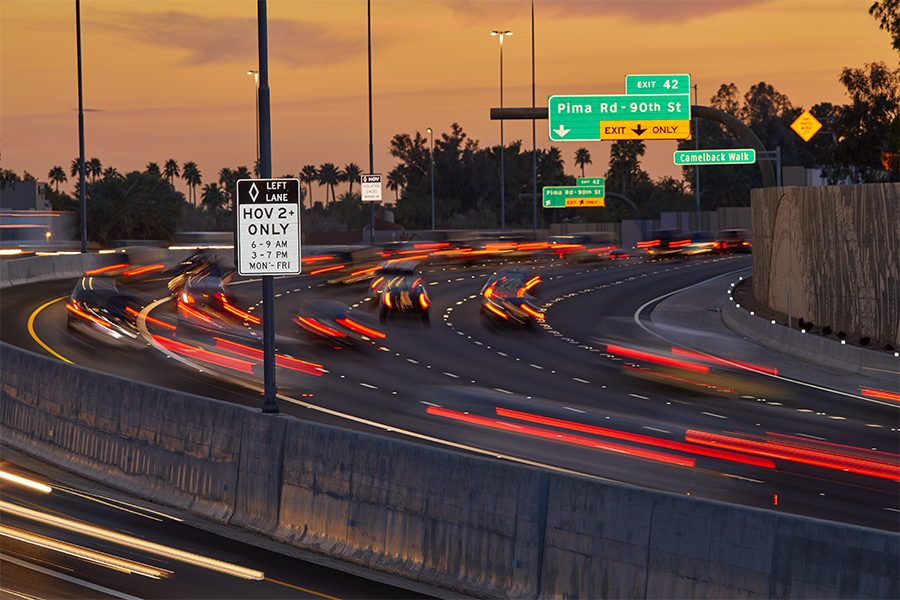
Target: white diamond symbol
<point>254,192</point>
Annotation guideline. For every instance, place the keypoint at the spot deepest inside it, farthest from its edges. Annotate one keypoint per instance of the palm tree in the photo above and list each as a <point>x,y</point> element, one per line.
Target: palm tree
<point>582,157</point>
<point>75,169</point>
<point>191,175</point>
<point>57,176</point>
<point>395,180</point>
<point>110,172</point>
<point>94,168</point>
<point>351,173</point>
<point>171,171</point>
<point>624,163</point>
<point>329,176</point>
<point>153,169</point>
<point>213,197</point>
<point>308,175</point>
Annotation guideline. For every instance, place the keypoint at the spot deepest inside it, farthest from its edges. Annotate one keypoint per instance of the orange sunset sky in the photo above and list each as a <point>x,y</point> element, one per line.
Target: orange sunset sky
<point>168,79</point>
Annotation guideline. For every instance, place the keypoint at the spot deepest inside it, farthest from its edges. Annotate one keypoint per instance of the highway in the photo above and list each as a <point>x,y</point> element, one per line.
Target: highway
<point>558,397</point>
<point>77,540</point>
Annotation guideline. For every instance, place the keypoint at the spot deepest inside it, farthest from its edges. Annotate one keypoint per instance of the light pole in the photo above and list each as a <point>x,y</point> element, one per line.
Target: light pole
<point>502,186</point>
<point>431,133</point>
<point>256,77</point>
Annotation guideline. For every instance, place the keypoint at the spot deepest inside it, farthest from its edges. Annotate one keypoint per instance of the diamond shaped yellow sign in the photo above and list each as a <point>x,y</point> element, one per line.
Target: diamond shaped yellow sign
<point>806,125</point>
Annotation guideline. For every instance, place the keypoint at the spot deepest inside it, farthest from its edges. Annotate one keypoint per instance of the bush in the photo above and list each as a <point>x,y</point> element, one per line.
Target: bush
<point>889,347</point>
<point>864,341</point>
<point>841,334</point>
<point>801,323</point>
<point>826,330</point>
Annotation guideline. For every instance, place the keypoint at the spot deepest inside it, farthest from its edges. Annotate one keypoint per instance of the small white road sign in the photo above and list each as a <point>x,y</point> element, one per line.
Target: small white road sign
<point>371,187</point>
<point>267,229</point>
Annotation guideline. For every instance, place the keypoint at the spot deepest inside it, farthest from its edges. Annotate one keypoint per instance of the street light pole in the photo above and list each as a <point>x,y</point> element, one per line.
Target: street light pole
<point>431,133</point>
<point>502,184</point>
<point>256,76</point>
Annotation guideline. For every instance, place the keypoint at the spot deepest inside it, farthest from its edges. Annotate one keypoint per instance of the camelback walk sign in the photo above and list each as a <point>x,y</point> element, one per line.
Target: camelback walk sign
<point>267,231</point>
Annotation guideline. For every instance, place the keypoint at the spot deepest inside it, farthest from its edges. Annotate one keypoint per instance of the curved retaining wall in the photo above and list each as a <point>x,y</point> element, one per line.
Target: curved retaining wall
<point>487,527</point>
<point>836,250</point>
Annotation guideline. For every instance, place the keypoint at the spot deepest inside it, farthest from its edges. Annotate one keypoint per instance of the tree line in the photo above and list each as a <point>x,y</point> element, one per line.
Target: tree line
<point>858,144</point>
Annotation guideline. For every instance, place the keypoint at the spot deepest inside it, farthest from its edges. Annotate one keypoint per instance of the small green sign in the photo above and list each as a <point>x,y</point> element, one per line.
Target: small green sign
<point>578,118</point>
<point>715,157</point>
<point>590,181</point>
<point>657,84</point>
<point>560,197</point>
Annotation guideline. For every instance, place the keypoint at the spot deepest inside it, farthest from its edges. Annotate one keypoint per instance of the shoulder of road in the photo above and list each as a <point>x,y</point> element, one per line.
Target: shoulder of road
<point>705,318</point>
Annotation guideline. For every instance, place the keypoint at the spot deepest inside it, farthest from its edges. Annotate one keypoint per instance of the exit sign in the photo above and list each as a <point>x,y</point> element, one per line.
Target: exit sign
<point>579,118</point>
<point>657,84</point>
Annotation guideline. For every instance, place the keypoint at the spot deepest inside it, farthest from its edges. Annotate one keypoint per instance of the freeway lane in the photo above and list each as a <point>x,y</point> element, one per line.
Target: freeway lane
<point>144,551</point>
<point>456,366</point>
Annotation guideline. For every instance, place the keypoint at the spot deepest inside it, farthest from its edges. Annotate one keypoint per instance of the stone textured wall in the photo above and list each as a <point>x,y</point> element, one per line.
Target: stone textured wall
<point>487,527</point>
<point>835,250</point>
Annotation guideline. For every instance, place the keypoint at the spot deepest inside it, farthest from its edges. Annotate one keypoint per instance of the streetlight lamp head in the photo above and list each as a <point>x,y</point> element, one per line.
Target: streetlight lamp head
<point>428,130</point>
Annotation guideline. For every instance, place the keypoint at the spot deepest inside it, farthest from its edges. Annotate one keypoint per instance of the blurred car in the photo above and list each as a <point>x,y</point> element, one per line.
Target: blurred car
<point>619,253</point>
<point>387,270</point>
<point>581,247</point>
<point>197,264</point>
<point>329,322</point>
<point>404,294</point>
<point>205,303</point>
<point>106,310</point>
<point>506,298</point>
<point>734,240</point>
<point>662,243</point>
<point>697,243</point>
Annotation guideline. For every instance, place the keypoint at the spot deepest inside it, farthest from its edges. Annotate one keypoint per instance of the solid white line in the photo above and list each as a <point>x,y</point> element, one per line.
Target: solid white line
<point>889,508</point>
<point>573,409</point>
<point>713,415</point>
<point>451,375</point>
<point>68,578</point>
<point>821,439</point>
<point>639,396</point>
<point>502,390</point>
<point>368,385</point>
<point>579,380</point>
<point>655,429</point>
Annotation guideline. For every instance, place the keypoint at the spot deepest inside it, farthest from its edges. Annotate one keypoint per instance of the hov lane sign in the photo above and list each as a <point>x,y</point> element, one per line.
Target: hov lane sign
<point>371,187</point>
<point>267,230</point>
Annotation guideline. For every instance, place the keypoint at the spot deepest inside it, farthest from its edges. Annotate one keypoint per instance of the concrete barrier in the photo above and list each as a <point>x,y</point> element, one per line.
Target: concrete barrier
<point>881,366</point>
<point>484,527</point>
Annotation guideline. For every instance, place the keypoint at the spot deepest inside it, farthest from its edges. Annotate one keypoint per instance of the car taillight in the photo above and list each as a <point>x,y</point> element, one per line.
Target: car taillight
<point>423,300</point>
<point>387,299</point>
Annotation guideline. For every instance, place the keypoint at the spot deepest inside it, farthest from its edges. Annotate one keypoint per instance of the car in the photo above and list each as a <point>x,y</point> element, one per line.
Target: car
<point>582,247</point>
<point>619,253</point>
<point>107,311</point>
<point>696,243</point>
<point>506,298</point>
<point>329,322</point>
<point>404,294</point>
<point>734,240</point>
<point>205,302</point>
<point>388,269</point>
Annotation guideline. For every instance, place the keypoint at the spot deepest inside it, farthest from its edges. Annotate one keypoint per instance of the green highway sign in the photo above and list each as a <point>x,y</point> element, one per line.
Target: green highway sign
<point>657,84</point>
<point>715,157</point>
<point>578,118</point>
<point>561,197</point>
<point>590,181</point>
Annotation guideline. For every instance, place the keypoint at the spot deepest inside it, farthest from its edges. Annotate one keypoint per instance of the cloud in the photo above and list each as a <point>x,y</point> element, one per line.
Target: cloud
<point>210,40</point>
<point>649,11</point>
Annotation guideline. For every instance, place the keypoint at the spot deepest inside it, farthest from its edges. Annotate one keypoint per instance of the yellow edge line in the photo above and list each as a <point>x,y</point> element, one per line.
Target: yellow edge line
<point>301,589</point>
<point>37,339</point>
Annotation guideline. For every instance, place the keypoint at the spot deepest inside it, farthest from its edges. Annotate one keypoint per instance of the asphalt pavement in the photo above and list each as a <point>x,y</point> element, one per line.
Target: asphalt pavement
<point>693,319</point>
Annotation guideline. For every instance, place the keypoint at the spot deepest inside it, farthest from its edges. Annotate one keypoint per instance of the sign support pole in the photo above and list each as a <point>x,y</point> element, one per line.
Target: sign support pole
<point>265,172</point>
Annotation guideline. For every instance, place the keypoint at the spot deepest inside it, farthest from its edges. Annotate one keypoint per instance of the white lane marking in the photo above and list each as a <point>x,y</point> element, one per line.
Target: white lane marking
<point>503,354</point>
<point>429,404</point>
<point>639,396</point>
<point>838,418</point>
<point>889,508</point>
<point>713,415</point>
<point>872,425</point>
<point>73,580</point>
<point>451,375</point>
<point>433,283</point>
<point>479,343</point>
<point>805,410</point>
<point>537,367</point>
<point>573,409</point>
<point>371,387</point>
<point>502,390</point>
<point>656,429</point>
<point>579,380</point>
<point>415,362</point>
<point>821,439</point>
